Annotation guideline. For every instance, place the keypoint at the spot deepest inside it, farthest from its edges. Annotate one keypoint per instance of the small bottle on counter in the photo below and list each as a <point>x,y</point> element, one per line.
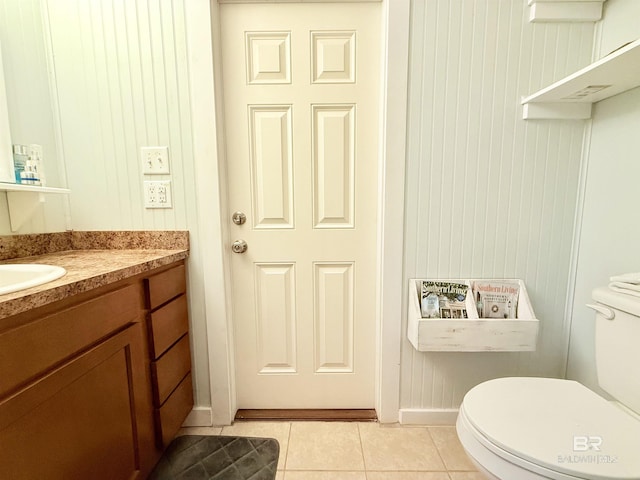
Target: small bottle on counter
<point>20,158</point>
<point>32,173</point>
<point>35,155</point>
<point>29,176</point>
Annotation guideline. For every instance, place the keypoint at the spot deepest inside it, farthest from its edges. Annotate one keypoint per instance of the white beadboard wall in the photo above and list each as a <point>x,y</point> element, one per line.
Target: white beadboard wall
<point>488,194</point>
<point>609,236</point>
<point>123,83</point>
<point>32,106</point>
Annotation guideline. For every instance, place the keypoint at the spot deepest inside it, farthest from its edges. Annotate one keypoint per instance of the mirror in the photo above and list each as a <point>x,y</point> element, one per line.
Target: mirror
<point>29,83</point>
<point>6,165</point>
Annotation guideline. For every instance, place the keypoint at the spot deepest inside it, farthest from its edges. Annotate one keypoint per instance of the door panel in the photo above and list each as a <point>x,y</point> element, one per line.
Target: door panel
<point>271,165</point>
<point>275,317</point>
<point>333,139</point>
<point>333,57</point>
<point>333,317</point>
<point>301,90</point>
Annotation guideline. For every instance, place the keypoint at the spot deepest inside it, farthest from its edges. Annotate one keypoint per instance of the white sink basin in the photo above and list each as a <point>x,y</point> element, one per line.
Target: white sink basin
<point>17,276</point>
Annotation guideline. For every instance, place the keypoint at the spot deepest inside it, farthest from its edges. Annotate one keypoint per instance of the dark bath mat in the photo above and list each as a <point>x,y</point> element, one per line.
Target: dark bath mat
<point>200,457</point>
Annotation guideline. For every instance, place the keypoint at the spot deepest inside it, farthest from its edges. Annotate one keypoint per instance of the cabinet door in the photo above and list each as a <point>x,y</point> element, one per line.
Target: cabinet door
<point>85,419</point>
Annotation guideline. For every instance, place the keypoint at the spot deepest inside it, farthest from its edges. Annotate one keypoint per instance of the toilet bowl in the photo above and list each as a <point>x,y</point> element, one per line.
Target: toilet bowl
<point>524,428</point>
<point>537,428</point>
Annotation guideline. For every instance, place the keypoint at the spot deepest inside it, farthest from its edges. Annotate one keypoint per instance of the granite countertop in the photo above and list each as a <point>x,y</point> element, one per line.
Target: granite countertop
<point>91,259</point>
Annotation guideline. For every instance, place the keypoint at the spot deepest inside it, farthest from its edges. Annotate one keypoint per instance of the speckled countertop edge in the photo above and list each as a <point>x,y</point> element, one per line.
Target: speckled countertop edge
<point>17,246</point>
<point>103,258</point>
<point>86,270</point>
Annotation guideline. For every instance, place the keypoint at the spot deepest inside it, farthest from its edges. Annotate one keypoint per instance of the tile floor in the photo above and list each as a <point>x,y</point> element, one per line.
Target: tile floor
<point>358,451</point>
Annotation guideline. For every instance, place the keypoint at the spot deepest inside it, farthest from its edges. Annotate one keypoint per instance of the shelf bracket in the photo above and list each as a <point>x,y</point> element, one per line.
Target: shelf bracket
<point>556,111</point>
<point>22,205</point>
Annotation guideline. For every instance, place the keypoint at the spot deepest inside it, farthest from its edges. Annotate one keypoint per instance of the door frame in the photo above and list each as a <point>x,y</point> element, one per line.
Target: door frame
<point>203,36</point>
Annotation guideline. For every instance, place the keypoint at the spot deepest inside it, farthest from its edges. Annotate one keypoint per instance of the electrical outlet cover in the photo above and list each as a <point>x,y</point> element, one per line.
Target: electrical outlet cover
<point>157,194</point>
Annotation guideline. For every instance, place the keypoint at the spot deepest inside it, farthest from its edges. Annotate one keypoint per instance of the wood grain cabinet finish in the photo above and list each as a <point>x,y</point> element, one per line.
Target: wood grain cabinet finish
<point>170,355</point>
<point>170,369</point>
<point>171,414</point>
<point>75,397</point>
<point>82,420</point>
<point>35,346</point>
<point>165,286</point>
<point>94,386</point>
<point>166,325</point>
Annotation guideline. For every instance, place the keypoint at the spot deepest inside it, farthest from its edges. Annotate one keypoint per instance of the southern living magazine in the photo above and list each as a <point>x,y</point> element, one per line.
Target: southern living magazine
<point>450,299</point>
<point>496,299</point>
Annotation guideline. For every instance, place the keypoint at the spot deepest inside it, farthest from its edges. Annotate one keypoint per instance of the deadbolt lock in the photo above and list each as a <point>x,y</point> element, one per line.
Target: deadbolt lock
<point>239,218</point>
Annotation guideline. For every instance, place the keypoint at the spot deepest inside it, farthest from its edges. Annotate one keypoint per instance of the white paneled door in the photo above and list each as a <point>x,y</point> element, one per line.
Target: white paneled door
<point>301,90</point>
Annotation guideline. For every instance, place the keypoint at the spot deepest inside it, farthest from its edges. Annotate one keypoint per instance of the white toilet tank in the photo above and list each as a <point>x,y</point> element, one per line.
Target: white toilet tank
<point>618,345</point>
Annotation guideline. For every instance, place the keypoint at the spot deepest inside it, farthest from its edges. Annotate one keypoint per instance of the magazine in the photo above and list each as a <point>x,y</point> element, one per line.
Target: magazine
<point>443,299</point>
<point>496,299</point>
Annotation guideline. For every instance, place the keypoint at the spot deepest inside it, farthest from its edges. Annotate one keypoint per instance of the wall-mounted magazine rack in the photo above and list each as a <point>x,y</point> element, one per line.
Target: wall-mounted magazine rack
<point>472,334</point>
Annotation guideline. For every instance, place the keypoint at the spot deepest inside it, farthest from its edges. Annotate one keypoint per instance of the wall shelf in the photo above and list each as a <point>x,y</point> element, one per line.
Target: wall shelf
<point>471,334</point>
<point>573,96</point>
<point>24,200</point>
<point>565,10</point>
<point>14,187</point>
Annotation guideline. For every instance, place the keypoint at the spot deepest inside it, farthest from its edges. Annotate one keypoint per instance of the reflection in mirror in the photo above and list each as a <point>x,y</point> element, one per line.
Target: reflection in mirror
<point>30,82</point>
<point>6,165</point>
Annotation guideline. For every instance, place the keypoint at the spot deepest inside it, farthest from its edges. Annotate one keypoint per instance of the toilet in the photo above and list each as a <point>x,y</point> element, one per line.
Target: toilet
<point>524,428</point>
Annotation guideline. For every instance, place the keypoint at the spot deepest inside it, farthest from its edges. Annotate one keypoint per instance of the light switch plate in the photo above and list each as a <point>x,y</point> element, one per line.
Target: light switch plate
<point>155,160</point>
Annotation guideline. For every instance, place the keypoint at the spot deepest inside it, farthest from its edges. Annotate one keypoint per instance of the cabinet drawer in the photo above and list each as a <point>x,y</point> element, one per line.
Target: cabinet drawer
<point>167,325</point>
<point>31,349</point>
<point>171,415</point>
<point>164,286</point>
<point>170,369</point>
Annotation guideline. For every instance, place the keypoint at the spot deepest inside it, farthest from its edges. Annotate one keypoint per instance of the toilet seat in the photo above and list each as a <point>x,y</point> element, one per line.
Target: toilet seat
<point>553,428</point>
<point>498,464</point>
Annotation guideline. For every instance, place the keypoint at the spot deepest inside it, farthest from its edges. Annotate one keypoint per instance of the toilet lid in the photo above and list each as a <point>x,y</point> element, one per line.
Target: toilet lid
<point>556,424</point>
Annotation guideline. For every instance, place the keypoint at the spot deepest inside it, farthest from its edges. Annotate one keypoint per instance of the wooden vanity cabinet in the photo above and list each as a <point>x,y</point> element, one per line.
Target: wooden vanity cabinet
<point>77,395</point>
<point>74,388</point>
<point>168,327</point>
<point>85,419</point>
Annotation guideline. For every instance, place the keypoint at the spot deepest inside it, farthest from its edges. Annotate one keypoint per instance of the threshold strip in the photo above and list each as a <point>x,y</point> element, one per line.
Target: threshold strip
<point>322,415</point>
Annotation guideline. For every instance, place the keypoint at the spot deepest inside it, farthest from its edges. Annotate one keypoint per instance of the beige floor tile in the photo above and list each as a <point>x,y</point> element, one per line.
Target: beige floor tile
<point>467,476</point>
<point>407,476</point>
<point>280,475</point>
<point>398,449</point>
<point>334,475</point>
<point>324,446</point>
<point>199,431</point>
<point>450,448</point>
<point>277,430</point>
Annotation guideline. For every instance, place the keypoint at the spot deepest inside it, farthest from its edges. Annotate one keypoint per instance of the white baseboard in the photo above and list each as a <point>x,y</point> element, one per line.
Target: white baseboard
<point>199,417</point>
<point>202,417</point>
<point>425,416</point>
